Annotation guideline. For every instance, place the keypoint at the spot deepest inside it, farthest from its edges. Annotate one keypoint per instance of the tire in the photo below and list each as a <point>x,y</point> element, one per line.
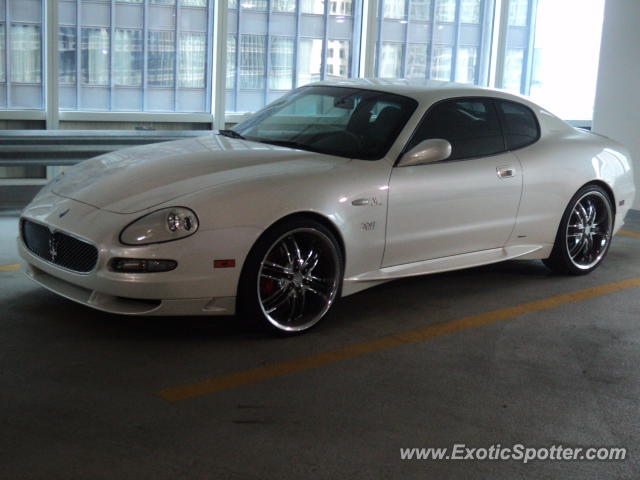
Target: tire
<point>291,277</point>
<point>584,234</point>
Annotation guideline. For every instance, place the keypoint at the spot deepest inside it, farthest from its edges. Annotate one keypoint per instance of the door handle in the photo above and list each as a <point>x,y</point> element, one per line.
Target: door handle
<point>505,172</point>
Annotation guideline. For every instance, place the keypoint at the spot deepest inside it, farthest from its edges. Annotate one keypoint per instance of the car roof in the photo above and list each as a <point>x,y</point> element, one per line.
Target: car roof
<point>428,92</point>
<point>424,90</point>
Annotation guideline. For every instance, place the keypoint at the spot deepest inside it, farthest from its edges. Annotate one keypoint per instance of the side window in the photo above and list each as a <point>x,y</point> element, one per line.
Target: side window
<point>520,124</point>
<point>470,124</point>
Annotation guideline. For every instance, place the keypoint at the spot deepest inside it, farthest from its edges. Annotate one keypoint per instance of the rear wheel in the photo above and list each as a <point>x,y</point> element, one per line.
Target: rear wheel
<point>584,234</point>
<point>292,277</point>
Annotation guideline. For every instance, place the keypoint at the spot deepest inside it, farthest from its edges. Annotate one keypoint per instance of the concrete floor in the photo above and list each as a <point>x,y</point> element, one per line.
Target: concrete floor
<point>79,388</point>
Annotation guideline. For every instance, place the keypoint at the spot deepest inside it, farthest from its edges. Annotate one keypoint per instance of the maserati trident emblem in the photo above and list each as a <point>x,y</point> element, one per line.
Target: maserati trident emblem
<point>53,248</point>
<point>64,213</point>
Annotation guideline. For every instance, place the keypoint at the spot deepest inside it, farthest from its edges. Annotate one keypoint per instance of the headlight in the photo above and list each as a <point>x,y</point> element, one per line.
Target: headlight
<point>161,226</point>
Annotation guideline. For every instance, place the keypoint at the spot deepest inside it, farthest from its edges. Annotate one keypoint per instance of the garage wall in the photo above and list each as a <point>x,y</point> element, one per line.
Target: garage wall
<point>617,107</point>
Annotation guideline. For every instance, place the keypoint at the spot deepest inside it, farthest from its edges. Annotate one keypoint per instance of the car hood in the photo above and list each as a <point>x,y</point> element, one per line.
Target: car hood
<point>135,179</point>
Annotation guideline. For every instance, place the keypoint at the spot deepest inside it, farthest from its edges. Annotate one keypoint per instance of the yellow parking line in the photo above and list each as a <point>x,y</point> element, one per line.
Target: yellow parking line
<point>8,268</point>
<point>628,233</point>
<point>243,377</point>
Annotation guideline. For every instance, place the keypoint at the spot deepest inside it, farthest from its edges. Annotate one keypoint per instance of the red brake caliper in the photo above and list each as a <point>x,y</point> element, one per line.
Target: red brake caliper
<point>267,287</point>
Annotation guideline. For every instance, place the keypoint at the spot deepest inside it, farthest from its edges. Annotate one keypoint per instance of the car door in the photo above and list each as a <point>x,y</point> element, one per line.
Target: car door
<point>466,203</point>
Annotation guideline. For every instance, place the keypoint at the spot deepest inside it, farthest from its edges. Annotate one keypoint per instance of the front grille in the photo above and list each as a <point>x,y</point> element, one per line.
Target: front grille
<point>59,248</point>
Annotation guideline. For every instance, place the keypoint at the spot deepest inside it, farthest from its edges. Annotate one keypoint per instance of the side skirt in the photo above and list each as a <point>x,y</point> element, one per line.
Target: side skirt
<point>455,262</point>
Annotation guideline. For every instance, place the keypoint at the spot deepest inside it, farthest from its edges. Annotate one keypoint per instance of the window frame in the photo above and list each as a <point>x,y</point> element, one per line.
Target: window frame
<point>141,95</point>
<point>239,16</point>
<point>489,99</point>
<point>411,102</point>
<point>503,123</point>
<point>507,41</point>
<point>366,23</point>
<point>51,114</point>
<point>460,38</point>
<point>33,112</point>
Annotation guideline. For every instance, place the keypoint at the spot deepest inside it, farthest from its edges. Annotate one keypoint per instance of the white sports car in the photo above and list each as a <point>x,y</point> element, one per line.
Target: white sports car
<point>331,189</point>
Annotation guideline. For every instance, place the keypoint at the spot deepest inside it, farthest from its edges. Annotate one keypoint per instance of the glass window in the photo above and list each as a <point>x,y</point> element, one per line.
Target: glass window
<point>231,61</point>
<point>281,65</point>
<point>252,59</point>
<point>67,60</point>
<point>275,54</point>
<point>393,8</point>
<point>470,125</point>
<point>518,13</point>
<point>134,55</point>
<point>542,59</point>
<point>25,53</point>
<point>390,60</point>
<point>95,56</point>
<point>513,64</point>
<point>516,61</point>
<point>446,10</point>
<point>470,11</point>
<point>347,122</point>
<point>338,59</point>
<point>192,50</point>
<point>520,124</point>
<point>161,60</point>
<point>420,10</point>
<point>21,76</point>
<point>466,64</point>
<point>254,4</point>
<point>340,7</point>
<point>127,57</point>
<point>310,52</point>
<point>283,6</point>
<point>565,59</point>
<point>417,55</point>
<point>312,6</point>
<point>439,40</point>
<point>441,68</point>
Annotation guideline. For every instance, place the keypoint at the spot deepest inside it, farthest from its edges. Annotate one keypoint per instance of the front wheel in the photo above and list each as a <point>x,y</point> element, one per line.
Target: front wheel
<point>584,234</point>
<point>291,277</point>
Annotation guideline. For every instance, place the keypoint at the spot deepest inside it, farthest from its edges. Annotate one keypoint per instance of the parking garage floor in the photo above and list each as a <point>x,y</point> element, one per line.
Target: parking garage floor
<point>506,354</point>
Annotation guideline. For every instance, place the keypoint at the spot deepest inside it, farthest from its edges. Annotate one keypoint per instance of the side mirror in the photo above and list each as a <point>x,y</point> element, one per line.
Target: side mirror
<point>427,151</point>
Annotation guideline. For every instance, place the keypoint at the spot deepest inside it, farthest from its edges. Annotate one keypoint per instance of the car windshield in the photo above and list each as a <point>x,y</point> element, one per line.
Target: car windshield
<point>347,122</point>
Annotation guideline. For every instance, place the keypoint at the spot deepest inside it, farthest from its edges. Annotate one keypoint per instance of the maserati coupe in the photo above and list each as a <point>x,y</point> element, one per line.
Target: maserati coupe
<point>331,189</point>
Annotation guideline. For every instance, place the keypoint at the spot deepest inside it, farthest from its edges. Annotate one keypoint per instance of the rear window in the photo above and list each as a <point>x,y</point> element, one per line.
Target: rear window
<point>520,124</point>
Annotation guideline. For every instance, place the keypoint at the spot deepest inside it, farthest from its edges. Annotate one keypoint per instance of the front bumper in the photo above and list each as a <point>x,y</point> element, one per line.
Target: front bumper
<point>131,306</point>
<point>193,288</point>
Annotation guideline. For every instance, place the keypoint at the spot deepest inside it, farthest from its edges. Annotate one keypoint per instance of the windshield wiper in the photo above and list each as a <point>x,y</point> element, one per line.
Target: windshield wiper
<point>231,134</point>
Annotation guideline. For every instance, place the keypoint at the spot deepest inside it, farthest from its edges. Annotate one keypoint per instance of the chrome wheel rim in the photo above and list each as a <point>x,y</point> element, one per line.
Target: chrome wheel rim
<point>298,279</point>
<point>589,230</point>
